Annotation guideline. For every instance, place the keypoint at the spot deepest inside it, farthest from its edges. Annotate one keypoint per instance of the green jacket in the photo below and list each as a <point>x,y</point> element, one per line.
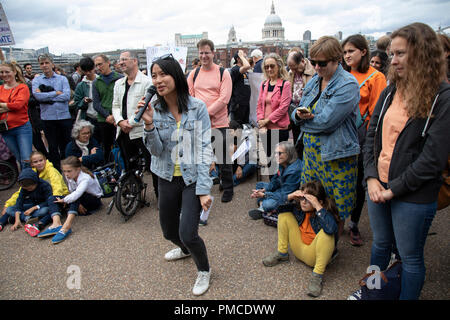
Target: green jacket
<point>103,96</point>
<point>81,91</point>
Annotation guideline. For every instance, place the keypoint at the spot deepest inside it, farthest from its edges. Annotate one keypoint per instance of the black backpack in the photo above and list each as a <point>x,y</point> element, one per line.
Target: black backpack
<point>197,70</point>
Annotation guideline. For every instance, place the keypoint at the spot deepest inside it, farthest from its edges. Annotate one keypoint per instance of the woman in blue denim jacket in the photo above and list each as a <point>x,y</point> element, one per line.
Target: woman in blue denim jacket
<point>178,136</point>
<point>327,116</point>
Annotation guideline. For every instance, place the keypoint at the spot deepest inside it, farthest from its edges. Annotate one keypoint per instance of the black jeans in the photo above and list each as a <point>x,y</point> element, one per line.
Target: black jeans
<point>179,214</point>
<point>224,165</point>
<point>57,133</point>
<point>360,193</point>
<point>107,138</point>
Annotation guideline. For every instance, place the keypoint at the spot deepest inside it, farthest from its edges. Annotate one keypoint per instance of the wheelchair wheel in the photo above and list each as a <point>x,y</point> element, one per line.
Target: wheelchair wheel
<point>128,195</point>
<point>8,175</point>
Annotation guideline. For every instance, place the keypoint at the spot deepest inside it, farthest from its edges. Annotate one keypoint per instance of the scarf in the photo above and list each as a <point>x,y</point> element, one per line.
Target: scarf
<point>83,147</point>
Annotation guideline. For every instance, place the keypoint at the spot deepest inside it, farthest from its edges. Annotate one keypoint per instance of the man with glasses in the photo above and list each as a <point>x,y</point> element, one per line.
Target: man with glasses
<point>127,93</point>
<point>52,91</point>
<point>103,92</point>
<point>214,86</point>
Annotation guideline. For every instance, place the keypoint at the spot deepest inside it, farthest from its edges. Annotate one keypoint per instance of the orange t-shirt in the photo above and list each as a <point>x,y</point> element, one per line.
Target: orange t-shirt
<point>306,230</point>
<point>393,123</point>
<point>370,91</point>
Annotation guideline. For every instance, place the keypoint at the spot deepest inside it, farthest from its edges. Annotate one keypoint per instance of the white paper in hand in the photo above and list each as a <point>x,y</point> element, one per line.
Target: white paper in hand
<point>205,214</point>
<point>243,149</point>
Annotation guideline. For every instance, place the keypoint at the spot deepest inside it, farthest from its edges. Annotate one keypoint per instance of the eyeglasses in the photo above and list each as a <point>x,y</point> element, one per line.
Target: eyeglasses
<point>279,153</point>
<point>167,56</point>
<point>321,64</point>
<point>270,66</point>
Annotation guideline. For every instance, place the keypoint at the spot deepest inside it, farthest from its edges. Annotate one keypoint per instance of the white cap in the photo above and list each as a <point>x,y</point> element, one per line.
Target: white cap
<point>256,53</point>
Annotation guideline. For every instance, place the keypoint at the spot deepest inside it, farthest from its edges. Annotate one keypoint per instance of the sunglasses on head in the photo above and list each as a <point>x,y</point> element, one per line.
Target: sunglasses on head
<point>167,56</point>
<point>320,63</point>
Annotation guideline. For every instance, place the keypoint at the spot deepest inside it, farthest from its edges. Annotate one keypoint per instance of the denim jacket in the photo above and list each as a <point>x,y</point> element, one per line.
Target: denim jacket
<point>334,116</point>
<point>193,145</point>
<point>287,180</point>
<point>321,220</point>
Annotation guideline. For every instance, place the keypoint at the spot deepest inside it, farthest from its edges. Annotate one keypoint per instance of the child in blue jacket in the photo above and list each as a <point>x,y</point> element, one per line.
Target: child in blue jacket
<point>35,200</point>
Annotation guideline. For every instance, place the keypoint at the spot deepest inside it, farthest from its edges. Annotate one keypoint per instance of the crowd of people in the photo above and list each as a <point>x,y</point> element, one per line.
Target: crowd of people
<point>343,127</point>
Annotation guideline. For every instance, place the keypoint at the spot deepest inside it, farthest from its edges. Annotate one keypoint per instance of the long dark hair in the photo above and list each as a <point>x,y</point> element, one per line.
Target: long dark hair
<point>361,44</point>
<point>316,189</point>
<point>171,67</point>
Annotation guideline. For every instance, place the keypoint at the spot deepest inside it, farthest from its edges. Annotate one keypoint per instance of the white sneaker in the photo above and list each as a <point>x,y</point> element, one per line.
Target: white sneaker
<point>202,283</point>
<point>175,254</point>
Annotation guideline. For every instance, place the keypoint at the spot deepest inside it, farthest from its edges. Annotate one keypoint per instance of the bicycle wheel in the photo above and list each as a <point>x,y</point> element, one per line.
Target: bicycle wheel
<point>8,175</point>
<point>128,195</point>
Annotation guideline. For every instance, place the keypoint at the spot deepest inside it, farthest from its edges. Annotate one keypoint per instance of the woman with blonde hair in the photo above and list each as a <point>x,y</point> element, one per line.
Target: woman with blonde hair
<point>15,125</point>
<point>406,151</point>
<point>273,102</point>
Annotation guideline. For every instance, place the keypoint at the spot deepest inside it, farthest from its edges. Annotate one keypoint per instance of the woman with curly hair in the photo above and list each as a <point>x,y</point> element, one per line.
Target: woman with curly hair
<point>406,151</point>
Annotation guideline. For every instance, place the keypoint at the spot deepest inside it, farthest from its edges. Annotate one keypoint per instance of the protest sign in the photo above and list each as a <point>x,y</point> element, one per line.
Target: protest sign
<point>6,36</point>
<point>179,54</point>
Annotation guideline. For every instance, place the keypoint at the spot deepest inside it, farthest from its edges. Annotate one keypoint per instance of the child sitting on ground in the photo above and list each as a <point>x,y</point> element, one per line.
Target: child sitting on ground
<point>35,200</point>
<point>47,172</point>
<point>84,197</point>
<point>308,227</point>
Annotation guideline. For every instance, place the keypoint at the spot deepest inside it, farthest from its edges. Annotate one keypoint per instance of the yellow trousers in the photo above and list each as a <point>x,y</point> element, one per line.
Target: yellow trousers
<point>316,255</point>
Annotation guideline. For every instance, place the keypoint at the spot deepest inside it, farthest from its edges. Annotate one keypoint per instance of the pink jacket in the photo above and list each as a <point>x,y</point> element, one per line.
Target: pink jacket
<point>280,104</point>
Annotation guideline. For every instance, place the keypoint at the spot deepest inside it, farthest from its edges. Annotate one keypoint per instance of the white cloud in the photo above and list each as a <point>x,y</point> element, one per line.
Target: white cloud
<point>87,26</point>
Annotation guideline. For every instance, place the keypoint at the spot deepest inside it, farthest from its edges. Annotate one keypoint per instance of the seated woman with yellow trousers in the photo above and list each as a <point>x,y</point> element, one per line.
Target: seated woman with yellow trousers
<point>309,229</point>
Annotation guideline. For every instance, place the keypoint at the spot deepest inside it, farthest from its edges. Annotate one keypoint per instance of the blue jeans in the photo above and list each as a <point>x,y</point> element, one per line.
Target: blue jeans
<point>267,204</point>
<point>406,225</point>
<point>247,171</point>
<point>11,212</point>
<point>20,141</point>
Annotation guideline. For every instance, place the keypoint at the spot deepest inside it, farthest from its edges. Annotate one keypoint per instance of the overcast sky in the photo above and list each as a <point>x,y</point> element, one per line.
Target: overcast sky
<point>102,25</point>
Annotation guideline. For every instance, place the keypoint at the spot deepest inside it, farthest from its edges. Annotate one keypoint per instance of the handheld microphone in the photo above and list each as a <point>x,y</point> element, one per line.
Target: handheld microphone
<point>148,96</point>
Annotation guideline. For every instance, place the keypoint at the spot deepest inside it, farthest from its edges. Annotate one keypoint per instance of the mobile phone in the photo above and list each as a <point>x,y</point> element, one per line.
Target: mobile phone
<point>303,110</point>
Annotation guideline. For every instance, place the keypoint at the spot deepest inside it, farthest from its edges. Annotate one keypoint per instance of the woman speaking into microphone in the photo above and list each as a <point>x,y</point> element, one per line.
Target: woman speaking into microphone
<point>178,136</point>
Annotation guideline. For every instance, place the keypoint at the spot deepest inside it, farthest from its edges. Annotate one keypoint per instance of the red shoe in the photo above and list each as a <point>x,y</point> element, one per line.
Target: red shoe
<point>32,230</point>
<point>355,238</point>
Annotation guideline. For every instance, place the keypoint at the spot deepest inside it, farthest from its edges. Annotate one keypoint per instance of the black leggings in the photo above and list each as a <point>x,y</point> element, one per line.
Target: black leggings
<point>179,214</point>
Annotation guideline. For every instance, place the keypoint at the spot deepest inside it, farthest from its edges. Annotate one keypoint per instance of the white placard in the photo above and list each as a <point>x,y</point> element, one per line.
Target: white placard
<point>6,36</point>
<point>243,149</point>
<point>179,54</point>
<point>255,85</point>
<point>205,214</point>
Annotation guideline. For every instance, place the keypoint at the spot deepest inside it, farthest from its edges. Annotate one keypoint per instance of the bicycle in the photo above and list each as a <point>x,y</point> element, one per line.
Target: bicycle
<point>8,175</point>
<point>127,189</point>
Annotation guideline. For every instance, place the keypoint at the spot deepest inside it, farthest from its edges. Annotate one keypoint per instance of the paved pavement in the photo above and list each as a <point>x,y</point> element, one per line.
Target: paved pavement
<point>124,260</point>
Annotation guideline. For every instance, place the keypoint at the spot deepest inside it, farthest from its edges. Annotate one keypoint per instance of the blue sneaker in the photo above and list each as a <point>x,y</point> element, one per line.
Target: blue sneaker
<point>61,236</point>
<point>49,232</point>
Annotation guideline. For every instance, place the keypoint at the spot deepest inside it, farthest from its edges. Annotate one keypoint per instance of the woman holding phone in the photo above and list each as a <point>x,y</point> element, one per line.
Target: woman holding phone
<point>328,127</point>
<point>182,166</point>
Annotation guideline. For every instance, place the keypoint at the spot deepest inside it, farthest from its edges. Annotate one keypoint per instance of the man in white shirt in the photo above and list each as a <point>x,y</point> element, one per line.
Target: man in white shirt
<point>127,93</point>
